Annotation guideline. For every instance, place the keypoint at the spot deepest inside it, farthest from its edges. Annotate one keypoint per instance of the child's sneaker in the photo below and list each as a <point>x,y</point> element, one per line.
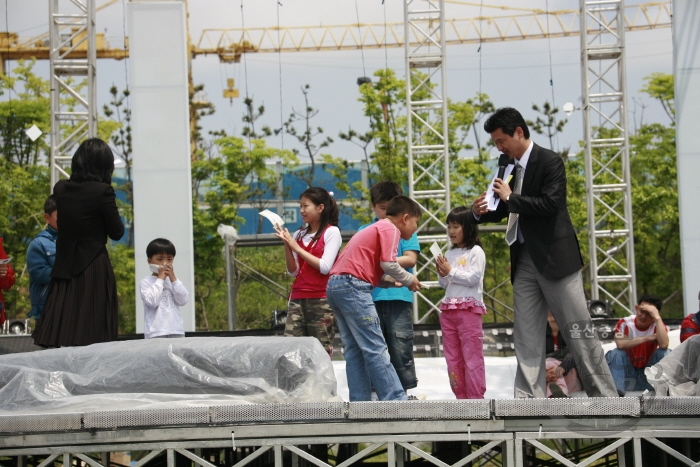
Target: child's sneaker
<point>419,397</point>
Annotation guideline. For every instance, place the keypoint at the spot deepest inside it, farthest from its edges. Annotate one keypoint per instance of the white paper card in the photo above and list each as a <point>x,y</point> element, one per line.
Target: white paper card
<point>272,217</point>
<point>493,199</point>
<point>5,260</point>
<point>435,250</point>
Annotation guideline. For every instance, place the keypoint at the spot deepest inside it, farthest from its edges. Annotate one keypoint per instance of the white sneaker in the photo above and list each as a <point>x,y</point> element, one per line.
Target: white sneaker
<point>374,396</point>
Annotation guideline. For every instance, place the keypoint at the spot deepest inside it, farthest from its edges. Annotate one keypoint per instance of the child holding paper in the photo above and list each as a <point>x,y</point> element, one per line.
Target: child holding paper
<point>310,253</point>
<point>461,273</point>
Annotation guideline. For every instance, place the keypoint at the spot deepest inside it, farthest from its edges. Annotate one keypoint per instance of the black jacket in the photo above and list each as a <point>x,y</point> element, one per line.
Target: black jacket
<point>87,214</point>
<point>544,217</point>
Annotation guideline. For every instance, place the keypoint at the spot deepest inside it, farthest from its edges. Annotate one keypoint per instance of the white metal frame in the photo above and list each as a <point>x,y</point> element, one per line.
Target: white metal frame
<point>502,429</point>
<point>428,162</point>
<point>608,186</point>
<point>71,123</point>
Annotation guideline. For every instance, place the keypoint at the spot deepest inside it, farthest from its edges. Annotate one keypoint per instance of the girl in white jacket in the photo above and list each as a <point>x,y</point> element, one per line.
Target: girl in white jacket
<point>461,273</point>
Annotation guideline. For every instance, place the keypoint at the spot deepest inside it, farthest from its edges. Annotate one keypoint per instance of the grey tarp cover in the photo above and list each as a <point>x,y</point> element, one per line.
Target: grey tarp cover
<point>167,373</point>
<point>677,373</point>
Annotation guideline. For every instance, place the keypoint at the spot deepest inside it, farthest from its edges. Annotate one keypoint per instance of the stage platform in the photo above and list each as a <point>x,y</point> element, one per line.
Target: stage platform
<point>494,432</point>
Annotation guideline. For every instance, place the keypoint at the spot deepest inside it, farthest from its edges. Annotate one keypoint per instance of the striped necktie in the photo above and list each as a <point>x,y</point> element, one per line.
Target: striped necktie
<point>512,230</point>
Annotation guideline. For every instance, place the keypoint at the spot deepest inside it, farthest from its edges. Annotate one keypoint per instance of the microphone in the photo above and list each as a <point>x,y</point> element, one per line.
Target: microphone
<point>503,161</point>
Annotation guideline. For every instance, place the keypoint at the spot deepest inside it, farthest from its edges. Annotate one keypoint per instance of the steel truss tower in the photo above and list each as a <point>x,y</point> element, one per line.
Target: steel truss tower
<point>608,186</point>
<point>73,102</point>
<point>426,104</point>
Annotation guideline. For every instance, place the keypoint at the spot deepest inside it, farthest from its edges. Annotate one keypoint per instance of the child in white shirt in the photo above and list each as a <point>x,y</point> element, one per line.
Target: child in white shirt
<point>461,273</point>
<point>162,293</point>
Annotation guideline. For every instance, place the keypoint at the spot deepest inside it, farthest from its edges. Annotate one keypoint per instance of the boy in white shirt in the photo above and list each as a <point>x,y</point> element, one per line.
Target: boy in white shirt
<point>162,293</point>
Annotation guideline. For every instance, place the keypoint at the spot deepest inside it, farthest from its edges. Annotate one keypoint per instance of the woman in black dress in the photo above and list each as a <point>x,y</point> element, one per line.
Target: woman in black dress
<point>82,307</point>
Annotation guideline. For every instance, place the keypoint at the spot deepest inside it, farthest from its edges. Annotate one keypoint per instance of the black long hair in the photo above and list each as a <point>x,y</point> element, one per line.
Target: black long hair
<point>92,162</point>
<point>464,217</point>
<point>330,213</point>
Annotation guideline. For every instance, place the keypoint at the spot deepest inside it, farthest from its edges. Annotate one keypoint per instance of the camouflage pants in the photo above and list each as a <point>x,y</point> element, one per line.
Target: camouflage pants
<point>311,317</point>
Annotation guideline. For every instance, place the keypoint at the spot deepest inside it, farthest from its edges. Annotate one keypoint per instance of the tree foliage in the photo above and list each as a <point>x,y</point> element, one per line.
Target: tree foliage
<point>660,86</point>
<point>307,136</point>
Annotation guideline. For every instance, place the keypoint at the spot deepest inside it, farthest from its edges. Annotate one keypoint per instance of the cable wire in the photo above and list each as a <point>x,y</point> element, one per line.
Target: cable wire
<point>279,66</point>
<point>245,63</point>
<point>551,74</point>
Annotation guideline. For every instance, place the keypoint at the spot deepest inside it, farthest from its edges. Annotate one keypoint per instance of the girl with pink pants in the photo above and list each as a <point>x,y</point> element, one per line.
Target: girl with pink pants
<point>461,273</point>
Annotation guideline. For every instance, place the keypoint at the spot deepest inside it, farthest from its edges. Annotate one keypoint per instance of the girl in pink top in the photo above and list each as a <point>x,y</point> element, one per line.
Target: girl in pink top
<point>461,273</point>
<point>310,253</point>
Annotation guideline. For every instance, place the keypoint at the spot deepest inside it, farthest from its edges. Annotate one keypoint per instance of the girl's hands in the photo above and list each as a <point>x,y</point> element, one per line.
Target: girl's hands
<point>287,238</point>
<point>443,266</point>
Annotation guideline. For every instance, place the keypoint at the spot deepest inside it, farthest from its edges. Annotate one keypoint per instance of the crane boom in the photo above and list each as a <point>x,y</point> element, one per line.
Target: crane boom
<point>229,44</point>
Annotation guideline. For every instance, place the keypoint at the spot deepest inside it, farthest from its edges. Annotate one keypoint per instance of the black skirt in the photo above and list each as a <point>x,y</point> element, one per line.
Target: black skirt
<point>83,310</point>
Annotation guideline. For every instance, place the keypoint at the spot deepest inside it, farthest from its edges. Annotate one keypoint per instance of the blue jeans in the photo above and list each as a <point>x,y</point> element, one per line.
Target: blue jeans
<point>625,375</point>
<point>396,321</point>
<point>367,362</point>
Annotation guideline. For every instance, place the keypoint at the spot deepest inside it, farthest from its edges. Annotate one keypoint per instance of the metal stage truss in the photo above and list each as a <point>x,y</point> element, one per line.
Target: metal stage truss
<point>427,135</point>
<point>73,103</point>
<point>608,183</point>
<point>492,432</point>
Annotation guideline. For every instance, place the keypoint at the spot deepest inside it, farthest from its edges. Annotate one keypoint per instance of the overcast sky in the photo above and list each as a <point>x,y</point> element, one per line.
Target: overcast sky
<point>512,73</point>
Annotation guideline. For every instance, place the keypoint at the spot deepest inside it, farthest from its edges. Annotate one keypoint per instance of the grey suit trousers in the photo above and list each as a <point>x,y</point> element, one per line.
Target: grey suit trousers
<point>534,296</point>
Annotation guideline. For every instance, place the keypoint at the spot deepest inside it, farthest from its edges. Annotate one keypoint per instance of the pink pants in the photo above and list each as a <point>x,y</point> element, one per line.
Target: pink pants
<point>462,340</point>
<point>568,383</point>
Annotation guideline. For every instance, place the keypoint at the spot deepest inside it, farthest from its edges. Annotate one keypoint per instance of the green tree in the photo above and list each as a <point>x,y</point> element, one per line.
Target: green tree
<point>23,189</point>
<point>660,86</point>
<point>307,136</point>
<point>28,104</point>
<point>121,146</point>
<point>229,175</point>
<point>547,124</point>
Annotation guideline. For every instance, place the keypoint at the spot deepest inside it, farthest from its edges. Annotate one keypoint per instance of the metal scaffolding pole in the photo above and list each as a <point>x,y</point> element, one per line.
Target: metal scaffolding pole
<point>608,185</point>
<point>73,103</point>
<point>426,104</point>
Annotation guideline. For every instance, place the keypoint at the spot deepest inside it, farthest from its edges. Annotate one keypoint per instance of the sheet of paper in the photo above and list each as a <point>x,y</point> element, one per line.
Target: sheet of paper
<point>490,196</point>
<point>435,250</point>
<point>5,260</point>
<point>272,217</point>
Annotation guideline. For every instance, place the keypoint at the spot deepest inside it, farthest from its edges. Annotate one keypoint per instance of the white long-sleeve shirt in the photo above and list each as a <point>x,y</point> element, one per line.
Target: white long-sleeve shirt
<point>162,300</point>
<point>332,241</point>
<point>466,278</point>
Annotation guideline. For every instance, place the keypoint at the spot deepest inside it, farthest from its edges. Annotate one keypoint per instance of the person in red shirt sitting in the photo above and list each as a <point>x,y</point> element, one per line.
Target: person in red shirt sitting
<point>690,326</point>
<point>642,340</point>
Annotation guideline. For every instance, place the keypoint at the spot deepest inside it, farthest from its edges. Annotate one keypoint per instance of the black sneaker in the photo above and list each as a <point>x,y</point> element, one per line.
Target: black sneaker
<point>556,391</point>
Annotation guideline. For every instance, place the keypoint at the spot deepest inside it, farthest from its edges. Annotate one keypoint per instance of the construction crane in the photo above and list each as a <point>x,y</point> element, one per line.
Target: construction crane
<point>230,44</point>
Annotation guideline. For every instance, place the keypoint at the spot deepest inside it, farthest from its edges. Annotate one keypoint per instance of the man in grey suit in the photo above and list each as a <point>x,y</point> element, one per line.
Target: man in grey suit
<point>545,259</point>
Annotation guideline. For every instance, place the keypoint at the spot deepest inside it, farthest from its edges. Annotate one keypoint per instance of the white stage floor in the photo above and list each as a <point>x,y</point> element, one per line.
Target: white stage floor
<point>500,376</point>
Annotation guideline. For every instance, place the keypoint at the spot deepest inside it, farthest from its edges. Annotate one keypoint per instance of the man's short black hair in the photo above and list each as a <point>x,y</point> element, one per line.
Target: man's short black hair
<point>651,300</point>
<point>50,205</point>
<point>384,191</point>
<point>160,245</point>
<point>400,205</point>
<point>507,119</point>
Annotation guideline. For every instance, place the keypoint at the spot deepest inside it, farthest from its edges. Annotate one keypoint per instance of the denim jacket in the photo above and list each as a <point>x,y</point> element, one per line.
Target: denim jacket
<point>41,256</point>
